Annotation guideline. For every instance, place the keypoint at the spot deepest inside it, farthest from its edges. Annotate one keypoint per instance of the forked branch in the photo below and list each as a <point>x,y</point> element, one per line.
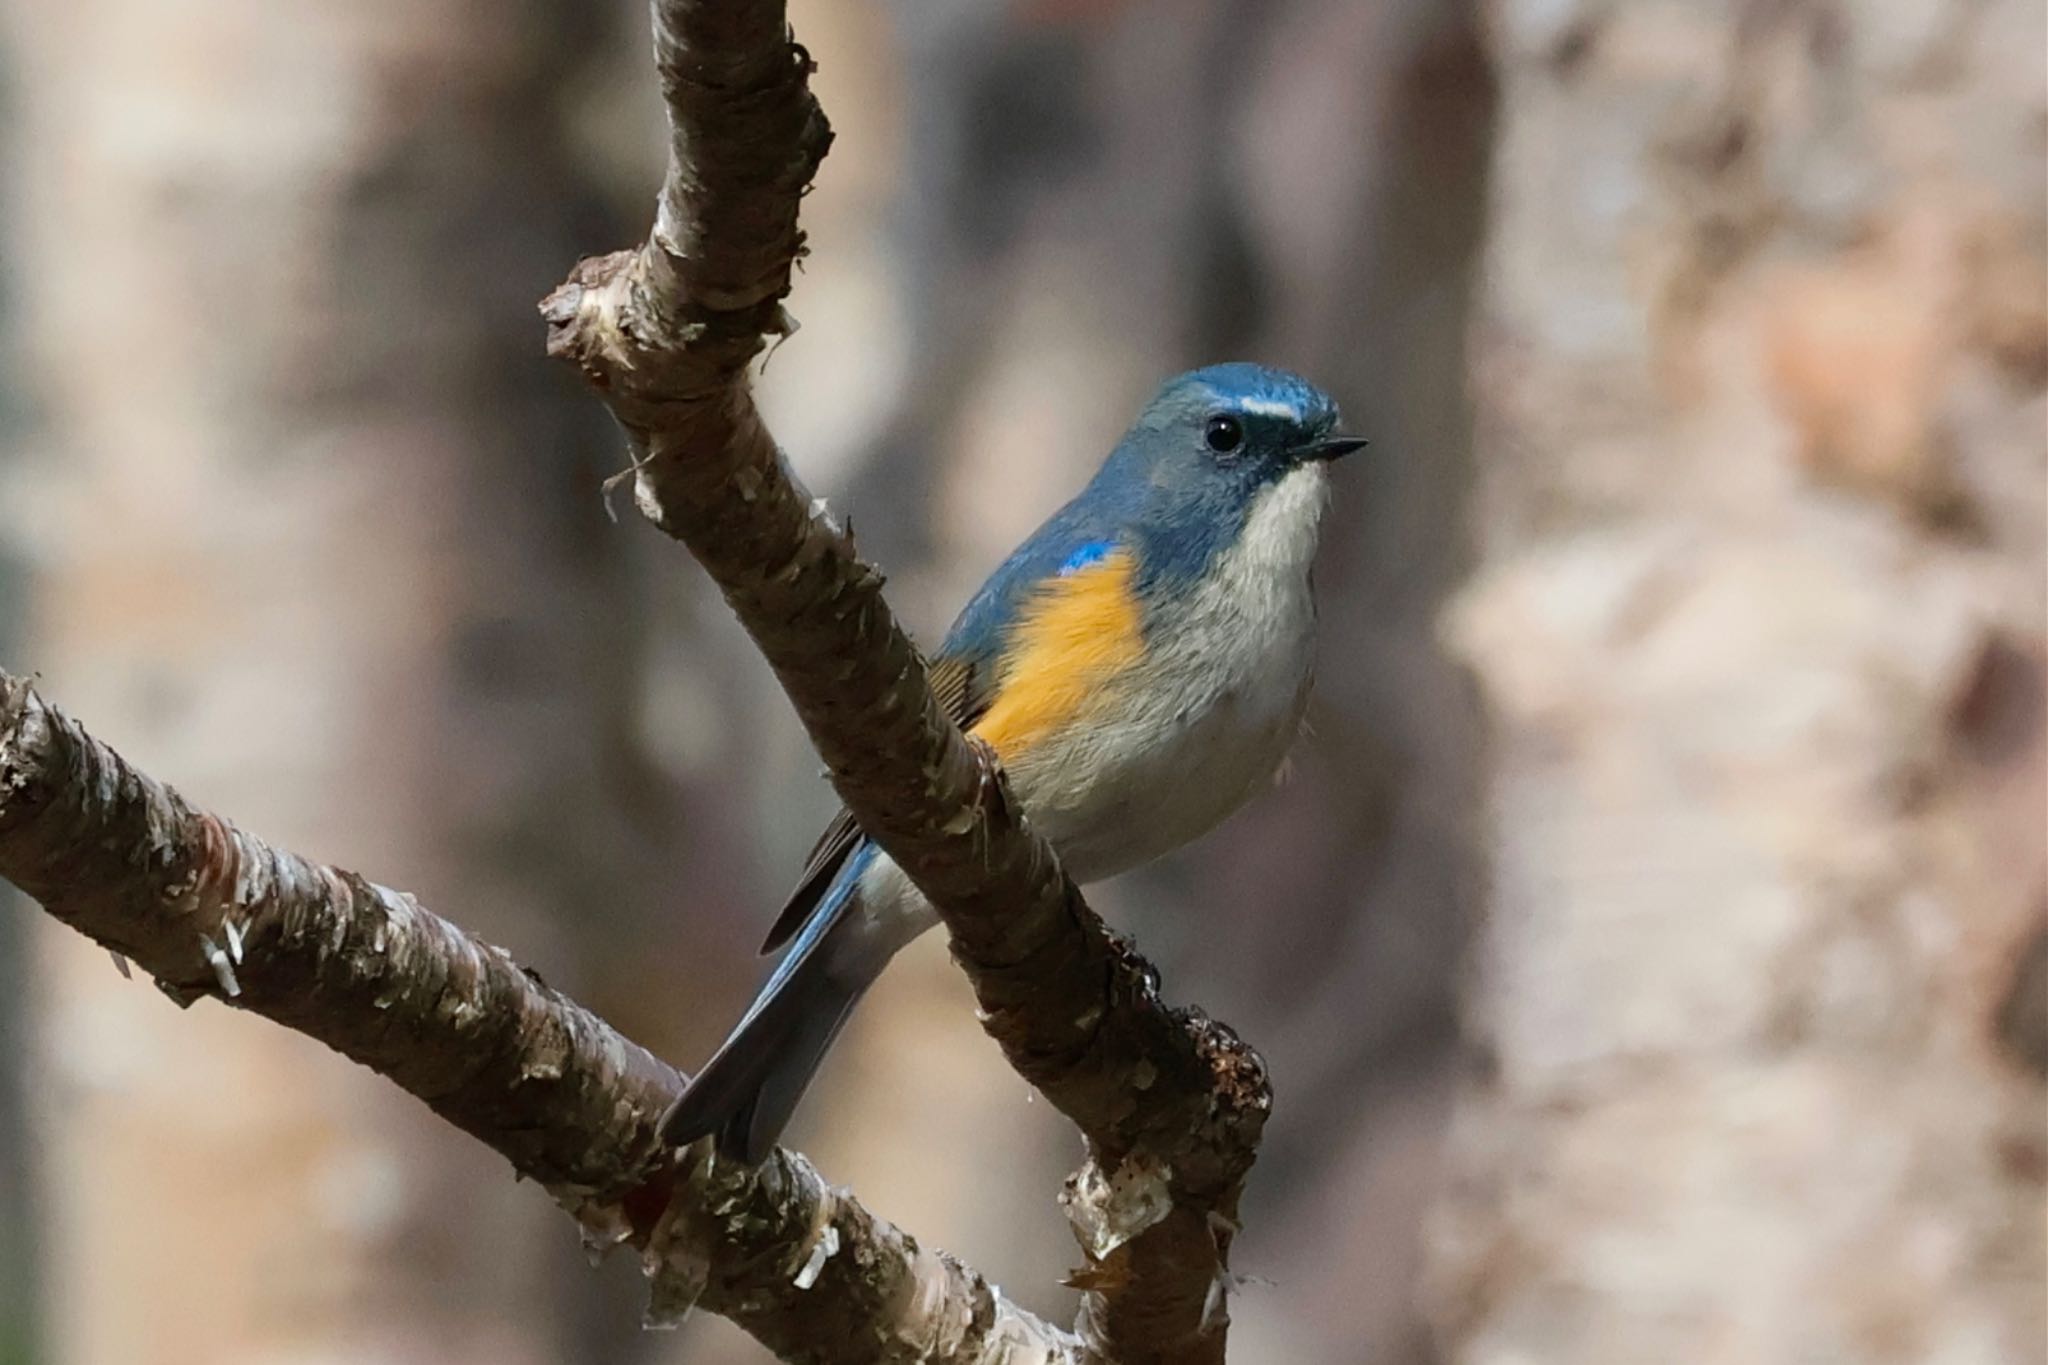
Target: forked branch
<point>1172,1105</point>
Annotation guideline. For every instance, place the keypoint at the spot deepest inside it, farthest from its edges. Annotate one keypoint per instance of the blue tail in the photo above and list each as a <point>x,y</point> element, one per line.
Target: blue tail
<point>747,1091</point>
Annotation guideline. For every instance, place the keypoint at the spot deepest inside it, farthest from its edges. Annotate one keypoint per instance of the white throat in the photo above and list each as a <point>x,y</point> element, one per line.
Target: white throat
<point>1279,536</point>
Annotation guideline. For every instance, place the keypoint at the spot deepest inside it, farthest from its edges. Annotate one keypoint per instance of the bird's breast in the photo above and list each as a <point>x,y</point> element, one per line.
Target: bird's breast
<point>1163,748</point>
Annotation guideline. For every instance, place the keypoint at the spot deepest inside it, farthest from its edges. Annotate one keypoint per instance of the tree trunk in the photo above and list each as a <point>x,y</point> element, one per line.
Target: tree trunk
<point>1760,369</point>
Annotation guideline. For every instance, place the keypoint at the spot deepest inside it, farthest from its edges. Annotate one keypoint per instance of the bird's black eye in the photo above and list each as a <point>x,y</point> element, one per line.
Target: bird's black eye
<point>1224,434</point>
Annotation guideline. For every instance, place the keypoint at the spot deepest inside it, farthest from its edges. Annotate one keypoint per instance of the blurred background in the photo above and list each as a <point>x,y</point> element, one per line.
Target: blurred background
<point>1650,947</point>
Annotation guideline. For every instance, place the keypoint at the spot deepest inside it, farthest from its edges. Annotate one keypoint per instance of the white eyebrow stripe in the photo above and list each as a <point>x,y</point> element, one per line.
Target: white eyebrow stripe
<point>1266,407</point>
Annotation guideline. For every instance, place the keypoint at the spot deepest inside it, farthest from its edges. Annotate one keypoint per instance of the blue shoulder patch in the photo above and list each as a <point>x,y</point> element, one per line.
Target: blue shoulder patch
<point>1093,552</point>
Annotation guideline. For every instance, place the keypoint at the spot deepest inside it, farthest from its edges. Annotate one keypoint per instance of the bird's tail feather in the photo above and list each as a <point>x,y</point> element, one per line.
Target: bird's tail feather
<point>747,1091</point>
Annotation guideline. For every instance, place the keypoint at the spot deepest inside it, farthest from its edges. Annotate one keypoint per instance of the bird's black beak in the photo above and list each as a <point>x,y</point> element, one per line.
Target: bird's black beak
<point>1336,447</point>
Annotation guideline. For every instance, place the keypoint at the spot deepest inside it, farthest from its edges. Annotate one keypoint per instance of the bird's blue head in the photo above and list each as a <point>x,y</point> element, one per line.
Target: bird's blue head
<point>1227,456</point>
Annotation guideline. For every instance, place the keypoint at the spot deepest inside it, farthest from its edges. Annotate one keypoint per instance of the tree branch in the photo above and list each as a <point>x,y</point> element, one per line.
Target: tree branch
<point>1172,1104</point>
<point>209,910</point>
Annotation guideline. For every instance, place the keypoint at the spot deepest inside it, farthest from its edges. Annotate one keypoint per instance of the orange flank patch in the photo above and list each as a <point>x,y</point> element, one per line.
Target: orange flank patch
<point>1070,640</point>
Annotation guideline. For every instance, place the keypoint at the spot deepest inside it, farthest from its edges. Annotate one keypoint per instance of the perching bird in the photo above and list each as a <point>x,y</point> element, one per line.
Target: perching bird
<point>1140,665</point>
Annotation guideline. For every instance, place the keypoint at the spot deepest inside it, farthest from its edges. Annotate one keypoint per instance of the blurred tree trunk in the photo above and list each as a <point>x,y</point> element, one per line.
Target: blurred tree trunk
<point>319,540</point>
<point>1761,367</point>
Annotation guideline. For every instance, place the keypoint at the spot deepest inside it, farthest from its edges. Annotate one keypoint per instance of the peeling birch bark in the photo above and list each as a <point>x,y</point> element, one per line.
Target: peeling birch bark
<point>488,1046</point>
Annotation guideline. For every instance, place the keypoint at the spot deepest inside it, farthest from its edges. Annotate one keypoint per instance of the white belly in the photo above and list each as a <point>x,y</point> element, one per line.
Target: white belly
<point>1137,781</point>
<point>1163,761</point>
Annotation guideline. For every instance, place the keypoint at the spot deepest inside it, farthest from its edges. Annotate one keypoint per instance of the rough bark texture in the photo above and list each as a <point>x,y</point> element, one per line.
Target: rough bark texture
<point>1171,1103</point>
<point>1761,373</point>
<point>209,910</point>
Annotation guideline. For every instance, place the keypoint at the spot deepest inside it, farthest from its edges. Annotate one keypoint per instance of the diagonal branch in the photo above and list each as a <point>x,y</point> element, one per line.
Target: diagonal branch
<point>1171,1103</point>
<point>209,910</point>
